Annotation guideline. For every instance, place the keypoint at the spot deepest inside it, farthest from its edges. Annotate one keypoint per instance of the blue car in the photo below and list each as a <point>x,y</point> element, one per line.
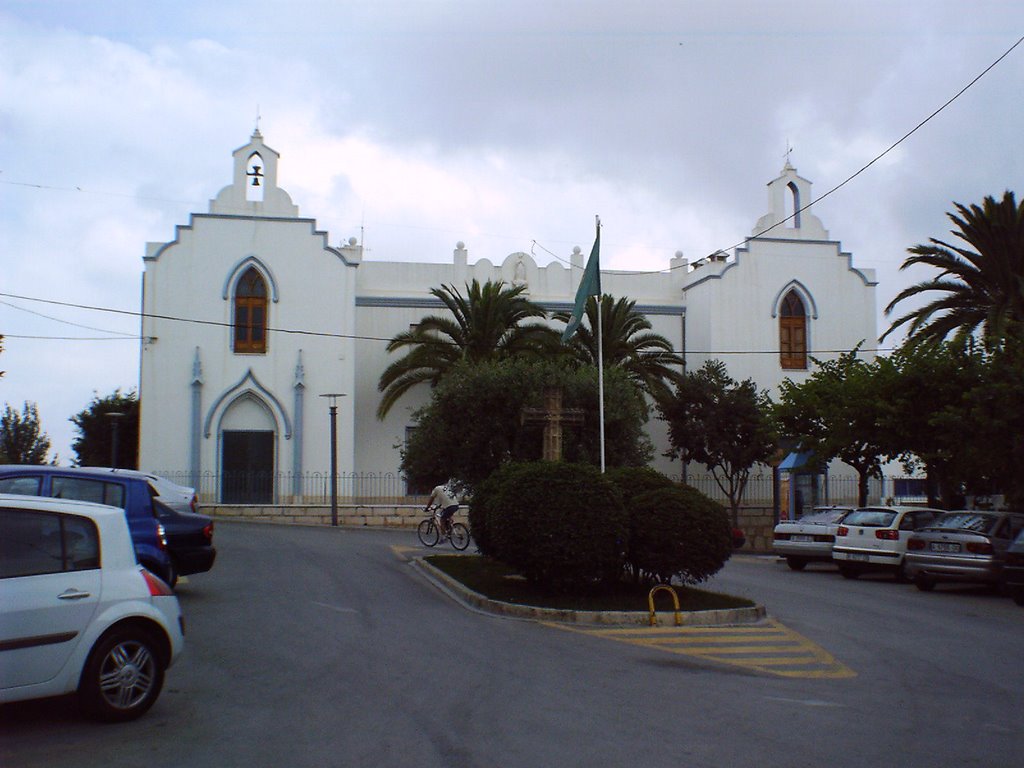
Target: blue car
<point>132,494</point>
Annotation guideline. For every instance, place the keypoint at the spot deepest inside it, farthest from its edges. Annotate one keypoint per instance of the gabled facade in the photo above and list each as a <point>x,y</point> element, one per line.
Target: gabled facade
<point>252,317</point>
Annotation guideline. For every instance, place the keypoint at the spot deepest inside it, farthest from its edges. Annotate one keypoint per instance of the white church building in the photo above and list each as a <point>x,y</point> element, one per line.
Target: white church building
<point>252,318</point>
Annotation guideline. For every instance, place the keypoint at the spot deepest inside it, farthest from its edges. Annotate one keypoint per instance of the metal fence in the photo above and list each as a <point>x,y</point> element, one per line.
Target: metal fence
<point>391,488</point>
<point>294,488</point>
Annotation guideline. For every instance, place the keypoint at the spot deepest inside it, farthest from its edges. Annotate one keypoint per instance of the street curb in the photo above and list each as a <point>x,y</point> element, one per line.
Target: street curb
<point>459,592</point>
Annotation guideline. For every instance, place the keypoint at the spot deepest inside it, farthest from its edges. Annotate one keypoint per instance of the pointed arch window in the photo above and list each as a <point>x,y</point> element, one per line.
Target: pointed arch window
<point>793,333</point>
<point>251,313</point>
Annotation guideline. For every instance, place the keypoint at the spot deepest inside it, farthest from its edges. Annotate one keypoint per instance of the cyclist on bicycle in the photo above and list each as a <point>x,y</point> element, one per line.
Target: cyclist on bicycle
<point>444,498</point>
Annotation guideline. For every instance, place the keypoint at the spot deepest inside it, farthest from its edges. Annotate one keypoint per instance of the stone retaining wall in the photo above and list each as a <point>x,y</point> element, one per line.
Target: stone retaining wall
<point>756,522</point>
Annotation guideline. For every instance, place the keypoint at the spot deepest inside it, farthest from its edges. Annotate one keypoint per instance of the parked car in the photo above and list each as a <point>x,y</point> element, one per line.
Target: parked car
<point>875,538</point>
<point>1012,576</point>
<point>180,497</point>
<point>189,534</point>
<point>965,546</point>
<point>78,614</point>
<point>132,494</point>
<point>189,539</point>
<point>809,539</point>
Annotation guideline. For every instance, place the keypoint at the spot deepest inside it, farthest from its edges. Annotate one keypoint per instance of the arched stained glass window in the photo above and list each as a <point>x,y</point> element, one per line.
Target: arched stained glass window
<point>793,333</point>
<point>251,313</point>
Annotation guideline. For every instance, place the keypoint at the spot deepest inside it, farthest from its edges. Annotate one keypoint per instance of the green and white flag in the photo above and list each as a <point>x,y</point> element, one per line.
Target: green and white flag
<point>590,285</point>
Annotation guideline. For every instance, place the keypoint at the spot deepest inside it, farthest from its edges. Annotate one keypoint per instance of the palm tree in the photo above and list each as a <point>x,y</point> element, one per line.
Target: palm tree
<point>487,323</point>
<point>983,283</point>
<point>627,342</point>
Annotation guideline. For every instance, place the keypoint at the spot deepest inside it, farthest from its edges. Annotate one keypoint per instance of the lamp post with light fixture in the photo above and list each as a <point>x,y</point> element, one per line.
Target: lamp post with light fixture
<point>332,399</point>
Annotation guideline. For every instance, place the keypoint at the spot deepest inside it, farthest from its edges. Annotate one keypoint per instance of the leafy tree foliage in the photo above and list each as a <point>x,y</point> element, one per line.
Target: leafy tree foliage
<point>993,421</point>
<point>982,283</point>
<point>837,413</point>
<point>721,423</point>
<point>473,422</point>
<point>489,323</point>
<point>21,440</point>
<point>627,342</point>
<point>95,426</point>
<point>924,397</point>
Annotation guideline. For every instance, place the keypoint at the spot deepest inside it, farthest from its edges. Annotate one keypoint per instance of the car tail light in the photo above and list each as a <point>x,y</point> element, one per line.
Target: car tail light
<point>157,587</point>
<point>1015,558</point>
<point>208,531</point>
<point>979,547</point>
<point>842,530</point>
<point>915,544</point>
<point>888,534</point>
<point>781,536</point>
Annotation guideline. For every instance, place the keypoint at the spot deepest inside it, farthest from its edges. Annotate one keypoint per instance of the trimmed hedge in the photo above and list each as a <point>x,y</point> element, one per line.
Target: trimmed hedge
<point>562,526</point>
<point>678,531</point>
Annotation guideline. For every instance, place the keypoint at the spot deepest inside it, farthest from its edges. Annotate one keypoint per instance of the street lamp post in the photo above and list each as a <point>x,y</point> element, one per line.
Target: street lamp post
<point>332,398</point>
<point>115,418</point>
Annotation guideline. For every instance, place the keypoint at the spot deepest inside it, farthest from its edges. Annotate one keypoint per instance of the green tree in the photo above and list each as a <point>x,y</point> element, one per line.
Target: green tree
<point>993,420</point>
<point>925,393</point>
<point>489,322</point>
<point>627,342</point>
<point>721,423</point>
<point>474,420</point>
<point>21,440</point>
<point>837,414</point>
<point>982,284</point>
<point>97,426</point>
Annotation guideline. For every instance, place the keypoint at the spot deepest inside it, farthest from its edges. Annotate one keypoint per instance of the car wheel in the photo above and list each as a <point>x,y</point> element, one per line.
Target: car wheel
<point>923,583</point>
<point>796,563</point>
<point>123,675</point>
<point>849,571</point>
<point>901,572</point>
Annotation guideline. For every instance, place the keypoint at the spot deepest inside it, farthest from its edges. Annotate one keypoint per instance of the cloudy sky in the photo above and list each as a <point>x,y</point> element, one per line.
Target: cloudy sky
<point>418,123</point>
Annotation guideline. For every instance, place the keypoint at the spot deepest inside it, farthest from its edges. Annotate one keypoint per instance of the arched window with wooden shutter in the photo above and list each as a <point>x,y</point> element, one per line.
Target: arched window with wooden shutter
<point>793,333</point>
<point>250,320</point>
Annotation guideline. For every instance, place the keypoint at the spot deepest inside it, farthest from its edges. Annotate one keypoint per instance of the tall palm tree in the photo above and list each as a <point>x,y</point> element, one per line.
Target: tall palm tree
<point>488,322</point>
<point>983,283</point>
<point>628,343</point>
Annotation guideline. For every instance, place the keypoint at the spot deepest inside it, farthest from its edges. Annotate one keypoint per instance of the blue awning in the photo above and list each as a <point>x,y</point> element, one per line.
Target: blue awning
<point>795,460</point>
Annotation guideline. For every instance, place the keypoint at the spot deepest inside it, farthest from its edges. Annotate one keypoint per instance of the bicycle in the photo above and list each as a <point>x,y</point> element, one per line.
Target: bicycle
<point>430,531</point>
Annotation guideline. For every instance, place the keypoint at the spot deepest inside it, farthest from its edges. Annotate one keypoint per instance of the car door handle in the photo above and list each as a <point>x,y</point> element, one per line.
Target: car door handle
<point>73,594</point>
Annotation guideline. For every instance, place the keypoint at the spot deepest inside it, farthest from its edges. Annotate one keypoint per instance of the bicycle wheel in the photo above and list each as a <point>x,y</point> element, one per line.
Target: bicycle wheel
<point>427,532</point>
<point>460,536</point>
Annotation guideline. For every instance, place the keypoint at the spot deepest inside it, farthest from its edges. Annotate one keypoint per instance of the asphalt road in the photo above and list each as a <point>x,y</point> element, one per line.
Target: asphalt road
<point>325,647</point>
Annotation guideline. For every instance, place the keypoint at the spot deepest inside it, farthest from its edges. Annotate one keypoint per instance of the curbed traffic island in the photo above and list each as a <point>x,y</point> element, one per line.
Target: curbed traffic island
<point>452,574</point>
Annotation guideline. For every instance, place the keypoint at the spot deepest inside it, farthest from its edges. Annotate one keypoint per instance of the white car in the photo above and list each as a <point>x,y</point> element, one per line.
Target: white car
<point>810,538</point>
<point>77,612</point>
<point>875,538</point>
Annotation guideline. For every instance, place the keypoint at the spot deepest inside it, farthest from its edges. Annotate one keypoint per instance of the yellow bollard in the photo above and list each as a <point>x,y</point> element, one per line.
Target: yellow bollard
<point>675,600</point>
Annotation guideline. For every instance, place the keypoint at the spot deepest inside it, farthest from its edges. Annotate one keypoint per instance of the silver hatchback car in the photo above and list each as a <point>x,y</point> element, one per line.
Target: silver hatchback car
<point>966,546</point>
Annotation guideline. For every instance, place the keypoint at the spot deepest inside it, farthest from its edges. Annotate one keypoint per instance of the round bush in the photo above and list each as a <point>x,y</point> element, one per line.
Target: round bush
<point>678,531</point>
<point>560,525</point>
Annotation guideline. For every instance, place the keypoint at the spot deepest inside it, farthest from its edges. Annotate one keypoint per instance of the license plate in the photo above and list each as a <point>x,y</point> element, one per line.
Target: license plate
<point>858,557</point>
<point>942,546</point>
<point>801,537</point>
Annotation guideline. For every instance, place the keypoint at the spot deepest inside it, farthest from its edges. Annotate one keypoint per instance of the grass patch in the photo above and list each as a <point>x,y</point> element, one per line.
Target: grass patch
<point>497,581</point>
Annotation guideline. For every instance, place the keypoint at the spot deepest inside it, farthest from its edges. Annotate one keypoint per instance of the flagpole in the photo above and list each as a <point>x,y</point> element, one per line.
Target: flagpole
<point>600,359</point>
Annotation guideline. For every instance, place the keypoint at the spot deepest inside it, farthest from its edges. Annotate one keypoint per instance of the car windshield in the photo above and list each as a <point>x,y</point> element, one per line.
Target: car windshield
<point>964,521</point>
<point>871,518</point>
<point>824,516</point>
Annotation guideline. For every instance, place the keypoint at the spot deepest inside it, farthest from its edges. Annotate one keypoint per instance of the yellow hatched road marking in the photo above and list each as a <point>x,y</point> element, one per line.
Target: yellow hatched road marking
<point>770,648</point>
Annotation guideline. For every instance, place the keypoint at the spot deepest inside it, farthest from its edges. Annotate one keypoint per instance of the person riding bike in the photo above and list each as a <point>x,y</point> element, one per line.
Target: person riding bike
<point>444,498</point>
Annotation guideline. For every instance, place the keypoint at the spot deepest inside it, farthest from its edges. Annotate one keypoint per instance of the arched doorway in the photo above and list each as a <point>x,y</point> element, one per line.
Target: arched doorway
<point>247,443</point>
